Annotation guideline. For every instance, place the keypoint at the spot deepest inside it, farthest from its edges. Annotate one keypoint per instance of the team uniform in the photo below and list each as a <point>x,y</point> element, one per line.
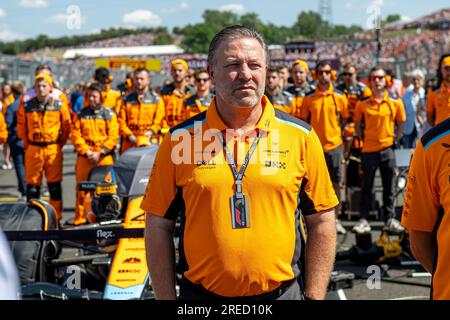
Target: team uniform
<point>174,105</point>
<point>139,114</point>
<point>379,120</point>
<point>324,112</point>
<point>221,250</point>
<point>3,129</point>
<point>96,131</point>
<point>427,200</point>
<point>283,101</point>
<point>438,103</point>
<point>44,128</point>
<point>299,95</point>
<point>195,105</point>
<point>354,93</point>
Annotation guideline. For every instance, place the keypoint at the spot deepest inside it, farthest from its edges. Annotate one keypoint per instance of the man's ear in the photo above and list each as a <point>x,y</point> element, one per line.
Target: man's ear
<point>211,74</point>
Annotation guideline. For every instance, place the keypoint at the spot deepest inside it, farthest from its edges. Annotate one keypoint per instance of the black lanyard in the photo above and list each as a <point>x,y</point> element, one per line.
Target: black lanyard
<point>239,175</point>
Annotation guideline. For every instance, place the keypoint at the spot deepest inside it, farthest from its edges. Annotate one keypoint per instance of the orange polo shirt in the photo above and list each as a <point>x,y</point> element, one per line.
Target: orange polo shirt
<point>379,121</point>
<point>323,110</point>
<point>427,200</point>
<point>287,172</point>
<point>438,102</point>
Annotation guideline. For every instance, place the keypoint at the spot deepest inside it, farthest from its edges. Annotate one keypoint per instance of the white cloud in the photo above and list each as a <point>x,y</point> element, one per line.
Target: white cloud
<point>348,5</point>
<point>237,8</point>
<point>33,3</point>
<point>2,12</point>
<point>141,17</point>
<point>183,6</point>
<point>7,35</point>
<point>60,18</point>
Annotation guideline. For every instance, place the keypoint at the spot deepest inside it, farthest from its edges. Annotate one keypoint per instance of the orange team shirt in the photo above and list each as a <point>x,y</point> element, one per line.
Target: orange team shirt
<point>6,102</point>
<point>174,105</point>
<point>323,111</point>
<point>379,121</point>
<point>298,95</point>
<point>438,102</point>
<point>288,164</point>
<point>427,200</point>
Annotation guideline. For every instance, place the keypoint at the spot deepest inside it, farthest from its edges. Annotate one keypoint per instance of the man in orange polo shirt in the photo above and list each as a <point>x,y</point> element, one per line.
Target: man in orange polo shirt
<point>426,207</point>
<point>175,93</point>
<point>301,87</point>
<point>438,101</point>
<point>379,113</point>
<point>240,174</point>
<point>326,110</point>
<point>201,100</point>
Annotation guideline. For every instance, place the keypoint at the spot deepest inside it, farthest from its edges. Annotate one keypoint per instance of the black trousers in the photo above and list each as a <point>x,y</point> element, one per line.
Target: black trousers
<point>385,160</point>
<point>289,290</point>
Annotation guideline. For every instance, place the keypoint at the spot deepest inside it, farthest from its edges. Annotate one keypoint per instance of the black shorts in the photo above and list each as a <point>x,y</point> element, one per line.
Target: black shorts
<point>334,163</point>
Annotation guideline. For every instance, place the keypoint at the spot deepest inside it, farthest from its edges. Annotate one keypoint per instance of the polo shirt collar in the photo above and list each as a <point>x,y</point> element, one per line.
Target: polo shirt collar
<point>328,92</point>
<point>265,123</point>
<point>385,97</point>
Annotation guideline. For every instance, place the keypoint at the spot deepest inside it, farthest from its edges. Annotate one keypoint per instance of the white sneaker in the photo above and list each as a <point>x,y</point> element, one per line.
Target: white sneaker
<point>362,226</point>
<point>339,227</point>
<point>394,226</point>
<point>6,166</point>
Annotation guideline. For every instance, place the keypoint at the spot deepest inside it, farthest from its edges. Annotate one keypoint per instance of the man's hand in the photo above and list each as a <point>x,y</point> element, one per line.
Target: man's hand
<point>93,156</point>
<point>149,133</point>
<point>132,139</point>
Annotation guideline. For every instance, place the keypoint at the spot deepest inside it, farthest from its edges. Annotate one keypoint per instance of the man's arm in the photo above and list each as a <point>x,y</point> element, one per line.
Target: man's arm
<point>320,252</point>
<point>160,252</point>
<point>423,245</point>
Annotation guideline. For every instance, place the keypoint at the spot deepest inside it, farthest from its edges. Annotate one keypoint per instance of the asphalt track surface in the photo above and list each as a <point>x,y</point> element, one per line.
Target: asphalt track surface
<point>396,282</point>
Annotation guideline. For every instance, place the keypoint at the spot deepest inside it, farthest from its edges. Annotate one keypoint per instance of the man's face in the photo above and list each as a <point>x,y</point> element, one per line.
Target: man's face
<point>273,80</point>
<point>203,82</point>
<point>141,80</point>
<point>178,73</point>
<point>6,90</point>
<point>324,74</point>
<point>42,89</point>
<point>349,75</point>
<point>239,72</point>
<point>94,98</point>
<point>445,70</point>
<point>378,80</point>
<point>417,82</point>
<point>299,75</point>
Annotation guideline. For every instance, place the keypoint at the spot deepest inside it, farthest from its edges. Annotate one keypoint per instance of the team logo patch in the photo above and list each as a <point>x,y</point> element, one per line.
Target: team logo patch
<point>275,164</point>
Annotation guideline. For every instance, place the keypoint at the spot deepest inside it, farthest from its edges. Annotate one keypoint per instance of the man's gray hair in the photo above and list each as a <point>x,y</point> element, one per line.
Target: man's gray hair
<point>233,33</point>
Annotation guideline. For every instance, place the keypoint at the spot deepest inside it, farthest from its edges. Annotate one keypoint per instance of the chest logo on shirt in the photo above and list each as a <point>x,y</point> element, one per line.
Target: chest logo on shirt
<point>275,164</point>
<point>206,164</point>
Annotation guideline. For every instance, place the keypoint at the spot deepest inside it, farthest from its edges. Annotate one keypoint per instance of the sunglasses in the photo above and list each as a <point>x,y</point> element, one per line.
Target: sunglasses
<point>347,74</point>
<point>202,79</point>
<point>379,78</point>
<point>321,72</point>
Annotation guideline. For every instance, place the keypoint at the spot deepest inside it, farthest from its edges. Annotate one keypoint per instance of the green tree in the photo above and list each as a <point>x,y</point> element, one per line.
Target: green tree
<point>220,18</point>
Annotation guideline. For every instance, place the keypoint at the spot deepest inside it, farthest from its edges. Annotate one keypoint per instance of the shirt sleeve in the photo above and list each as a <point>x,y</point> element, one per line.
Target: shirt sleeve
<point>344,111</point>
<point>161,192</point>
<point>430,102</point>
<point>357,116</point>
<point>317,192</point>
<point>400,115</point>
<point>421,206</point>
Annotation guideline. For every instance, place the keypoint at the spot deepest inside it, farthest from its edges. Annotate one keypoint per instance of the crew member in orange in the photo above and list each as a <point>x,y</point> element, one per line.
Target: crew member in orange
<point>43,123</point>
<point>95,134</point>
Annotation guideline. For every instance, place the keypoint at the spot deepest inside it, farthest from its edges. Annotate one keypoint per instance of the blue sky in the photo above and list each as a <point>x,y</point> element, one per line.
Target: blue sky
<point>20,19</point>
